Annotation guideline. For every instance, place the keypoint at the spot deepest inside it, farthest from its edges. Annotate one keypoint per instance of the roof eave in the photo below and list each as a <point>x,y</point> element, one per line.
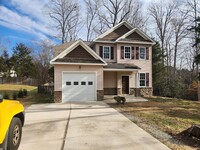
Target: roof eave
<point>114,69</point>
<point>67,63</point>
<point>134,42</point>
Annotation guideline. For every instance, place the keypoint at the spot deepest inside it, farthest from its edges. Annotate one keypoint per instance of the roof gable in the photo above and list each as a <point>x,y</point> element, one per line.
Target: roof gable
<point>59,48</point>
<point>115,32</point>
<point>78,52</point>
<point>135,35</point>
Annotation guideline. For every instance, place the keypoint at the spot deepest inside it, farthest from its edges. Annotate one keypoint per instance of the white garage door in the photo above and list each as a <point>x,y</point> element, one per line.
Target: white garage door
<point>78,87</point>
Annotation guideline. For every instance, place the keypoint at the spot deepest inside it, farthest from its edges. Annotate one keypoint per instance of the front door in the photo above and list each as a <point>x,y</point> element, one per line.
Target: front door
<point>125,84</point>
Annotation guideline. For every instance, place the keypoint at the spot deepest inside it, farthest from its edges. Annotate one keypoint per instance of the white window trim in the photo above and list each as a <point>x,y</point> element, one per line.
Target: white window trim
<point>142,79</point>
<point>144,53</point>
<point>109,52</point>
<point>130,52</point>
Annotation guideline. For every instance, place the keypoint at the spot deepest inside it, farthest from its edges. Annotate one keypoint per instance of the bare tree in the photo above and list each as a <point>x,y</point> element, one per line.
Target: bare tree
<point>162,14</point>
<point>180,26</point>
<point>42,55</point>
<point>112,12</point>
<point>65,14</point>
<point>136,16</point>
<point>92,13</point>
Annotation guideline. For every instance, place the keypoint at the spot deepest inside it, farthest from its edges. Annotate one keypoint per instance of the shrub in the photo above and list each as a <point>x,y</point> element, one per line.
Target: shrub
<point>25,92</point>
<point>20,93</point>
<point>120,99</point>
<point>6,95</point>
<point>14,95</point>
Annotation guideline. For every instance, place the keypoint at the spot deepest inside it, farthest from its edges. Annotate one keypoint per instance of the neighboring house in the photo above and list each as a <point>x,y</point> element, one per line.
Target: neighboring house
<point>117,62</point>
<point>12,73</point>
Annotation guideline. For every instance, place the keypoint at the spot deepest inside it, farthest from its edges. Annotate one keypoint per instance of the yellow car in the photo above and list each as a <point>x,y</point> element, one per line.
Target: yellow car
<point>11,122</point>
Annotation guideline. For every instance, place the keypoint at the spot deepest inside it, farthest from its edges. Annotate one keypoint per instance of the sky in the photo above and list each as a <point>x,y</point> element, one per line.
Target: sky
<point>26,21</point>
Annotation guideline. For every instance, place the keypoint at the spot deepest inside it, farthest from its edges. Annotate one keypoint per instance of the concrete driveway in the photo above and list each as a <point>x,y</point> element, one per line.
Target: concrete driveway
<point>83,126</point>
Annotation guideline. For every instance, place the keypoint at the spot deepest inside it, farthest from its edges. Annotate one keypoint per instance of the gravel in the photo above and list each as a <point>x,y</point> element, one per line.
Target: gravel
<point>167,139</point>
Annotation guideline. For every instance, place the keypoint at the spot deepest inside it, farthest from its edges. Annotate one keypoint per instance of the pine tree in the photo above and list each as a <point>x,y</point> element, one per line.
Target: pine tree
<point>158,70</point>
<point>22,61</point>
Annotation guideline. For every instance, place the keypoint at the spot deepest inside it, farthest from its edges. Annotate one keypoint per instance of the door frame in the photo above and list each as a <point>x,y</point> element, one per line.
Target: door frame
<point>128,83</point>
<point>80,72</point>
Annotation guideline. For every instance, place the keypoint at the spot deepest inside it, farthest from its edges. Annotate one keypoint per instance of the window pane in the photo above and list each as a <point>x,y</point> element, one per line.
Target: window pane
<point>142,53</point>
<point>142,76</point>
<point>75,83</point>
<point>83,83</point>
<point>127,52</point>
<point>106,52</point>
<point>142,82</point>
<point>90,83</point>
<point>68,83</point>
<point>127,49</point>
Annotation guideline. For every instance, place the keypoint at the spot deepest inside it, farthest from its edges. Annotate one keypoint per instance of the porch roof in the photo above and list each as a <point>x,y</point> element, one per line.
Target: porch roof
<point>121,67</point>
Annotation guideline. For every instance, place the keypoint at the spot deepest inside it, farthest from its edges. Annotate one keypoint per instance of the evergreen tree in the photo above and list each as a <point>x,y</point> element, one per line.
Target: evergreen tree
<point>1,65</point>
<point>158,70</point>
<point>22,61</point>
<point>7,65</point>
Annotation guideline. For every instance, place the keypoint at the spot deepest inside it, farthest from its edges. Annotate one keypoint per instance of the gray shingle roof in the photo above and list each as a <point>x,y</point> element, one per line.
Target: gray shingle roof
<point>78,60</point>
<point>121,66</point>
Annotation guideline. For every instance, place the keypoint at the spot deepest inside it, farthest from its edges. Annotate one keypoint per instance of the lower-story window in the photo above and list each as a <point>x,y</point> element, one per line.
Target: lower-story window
<point>142,79</point>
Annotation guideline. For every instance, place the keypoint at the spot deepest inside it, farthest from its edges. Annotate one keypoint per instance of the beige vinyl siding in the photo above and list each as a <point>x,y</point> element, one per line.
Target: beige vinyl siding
<point>110,79</point>
<point>145,65</point>
<point>110,45</point>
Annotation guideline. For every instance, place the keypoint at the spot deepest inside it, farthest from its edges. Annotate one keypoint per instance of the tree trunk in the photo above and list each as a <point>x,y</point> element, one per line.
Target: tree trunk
<point>198,90</point>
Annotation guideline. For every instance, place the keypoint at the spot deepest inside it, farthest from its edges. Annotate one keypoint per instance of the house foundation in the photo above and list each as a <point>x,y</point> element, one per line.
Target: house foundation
<point>57,96</point>
<point>100,95</point>
<point>146,92</point>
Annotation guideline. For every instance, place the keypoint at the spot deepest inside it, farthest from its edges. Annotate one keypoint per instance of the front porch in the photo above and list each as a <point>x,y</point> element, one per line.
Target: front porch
<point>118,83</point>
<point>123,79</point>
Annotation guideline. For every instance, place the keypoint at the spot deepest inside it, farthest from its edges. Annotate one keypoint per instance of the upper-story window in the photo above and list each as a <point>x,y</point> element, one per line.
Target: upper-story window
<point>106,52</point>
<point>127,52</point>
<point>142,53</point>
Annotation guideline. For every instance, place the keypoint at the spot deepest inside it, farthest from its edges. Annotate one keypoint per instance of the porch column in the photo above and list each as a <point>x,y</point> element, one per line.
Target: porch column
<point>137,80</point>
<point>119,84</point>
<point>137,90</point>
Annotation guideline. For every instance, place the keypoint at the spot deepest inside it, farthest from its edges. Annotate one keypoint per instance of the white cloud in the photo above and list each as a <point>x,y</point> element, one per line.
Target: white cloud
<point>17,21</point>
<point>36,9</point>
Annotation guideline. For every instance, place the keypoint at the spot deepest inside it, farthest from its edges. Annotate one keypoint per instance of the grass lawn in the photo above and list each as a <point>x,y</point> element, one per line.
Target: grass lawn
<point>15,87</point>
<point>171,116</point>
<point>32,98</point>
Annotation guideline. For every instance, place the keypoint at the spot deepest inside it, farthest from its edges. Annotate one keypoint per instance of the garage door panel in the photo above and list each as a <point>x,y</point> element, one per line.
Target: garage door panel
<point>79,87</point>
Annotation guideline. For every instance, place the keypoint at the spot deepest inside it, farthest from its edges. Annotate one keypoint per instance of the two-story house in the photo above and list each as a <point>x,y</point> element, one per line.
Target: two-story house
<point>117,62</point>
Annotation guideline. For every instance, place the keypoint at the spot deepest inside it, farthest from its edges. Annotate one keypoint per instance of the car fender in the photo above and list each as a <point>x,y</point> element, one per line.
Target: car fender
<point>8,109</point>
